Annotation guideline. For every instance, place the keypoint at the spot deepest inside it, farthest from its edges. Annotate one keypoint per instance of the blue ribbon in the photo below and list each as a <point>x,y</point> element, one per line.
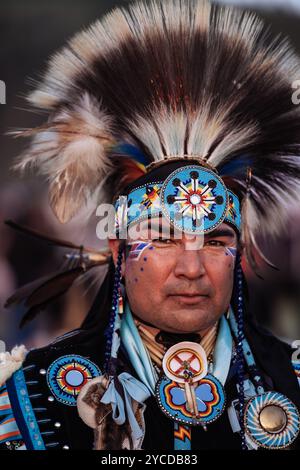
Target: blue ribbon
<point>223,352</point>
<point>133,390</point>
<point>138,354</point>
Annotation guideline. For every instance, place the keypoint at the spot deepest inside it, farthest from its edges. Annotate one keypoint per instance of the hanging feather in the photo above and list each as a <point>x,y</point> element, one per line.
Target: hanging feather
<point>247,245</point>
<point>36,295</point>
<point>248,241</point>
<point>88,253</point>
<point>46,287</point>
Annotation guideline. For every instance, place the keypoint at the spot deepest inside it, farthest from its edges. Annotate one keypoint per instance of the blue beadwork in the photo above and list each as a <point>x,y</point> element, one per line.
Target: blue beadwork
<point>68,374</point>
<point>198,196</point>
<point>182,437</point>
<point>148,201</point>
<point>240,354</point>
<point>108,367</point>
<point>283,437</point>
<point>210,399</point>
<point>23,412</point>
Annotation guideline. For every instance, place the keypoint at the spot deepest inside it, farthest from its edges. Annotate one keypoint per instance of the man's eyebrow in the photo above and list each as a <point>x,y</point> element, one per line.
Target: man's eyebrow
<point>220,233</point>
<point>162,228</point>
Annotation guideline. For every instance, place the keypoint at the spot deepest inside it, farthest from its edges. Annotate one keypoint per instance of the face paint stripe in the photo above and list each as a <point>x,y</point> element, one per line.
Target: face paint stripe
<point>231,251</point>
<point>137,249</point>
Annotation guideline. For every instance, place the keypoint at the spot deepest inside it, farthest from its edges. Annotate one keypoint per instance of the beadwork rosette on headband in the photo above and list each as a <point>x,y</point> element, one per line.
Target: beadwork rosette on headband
<point>193,198</point>
<point>167,79</point>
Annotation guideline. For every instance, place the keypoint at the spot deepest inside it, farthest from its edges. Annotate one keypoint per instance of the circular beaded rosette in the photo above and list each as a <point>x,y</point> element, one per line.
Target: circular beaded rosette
<point>68,374</point>
<point>194,199</point>
<point>271,420</point>
<point>210,399</point>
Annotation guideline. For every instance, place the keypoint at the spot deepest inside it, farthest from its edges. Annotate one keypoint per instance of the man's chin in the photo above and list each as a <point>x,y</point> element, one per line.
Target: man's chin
<point>188,322</point>
<point>184,329</point>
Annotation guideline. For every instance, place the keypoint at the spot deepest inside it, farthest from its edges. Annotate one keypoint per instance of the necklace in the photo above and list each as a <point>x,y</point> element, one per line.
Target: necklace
<point>205,396</point>
<point>190,390</point>
<point>157,350</point>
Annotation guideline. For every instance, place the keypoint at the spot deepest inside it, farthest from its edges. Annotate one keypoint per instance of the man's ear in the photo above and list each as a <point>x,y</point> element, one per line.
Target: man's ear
<point>114,245</point>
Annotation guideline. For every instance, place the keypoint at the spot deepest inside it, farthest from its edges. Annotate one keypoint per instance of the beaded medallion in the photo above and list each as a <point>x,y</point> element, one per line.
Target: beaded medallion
<point>68,374</point>
<point>210,400</point>
<point>186,393</point>
<point>272,420</point>
<point>194,199</point>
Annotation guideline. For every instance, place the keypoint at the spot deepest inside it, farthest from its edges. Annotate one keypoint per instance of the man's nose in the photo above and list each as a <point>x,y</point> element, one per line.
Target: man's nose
<point>190,264</point>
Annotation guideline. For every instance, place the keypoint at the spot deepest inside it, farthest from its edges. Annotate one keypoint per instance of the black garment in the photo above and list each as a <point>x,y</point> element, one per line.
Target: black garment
<point>273,359</point>
<point>272,356</point>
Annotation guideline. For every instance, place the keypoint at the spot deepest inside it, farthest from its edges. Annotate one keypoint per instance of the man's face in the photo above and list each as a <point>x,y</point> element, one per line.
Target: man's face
<point>179,283</point>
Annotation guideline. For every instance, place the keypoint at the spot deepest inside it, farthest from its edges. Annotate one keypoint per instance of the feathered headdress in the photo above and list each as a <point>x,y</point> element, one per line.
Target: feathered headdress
<point>167,78</point>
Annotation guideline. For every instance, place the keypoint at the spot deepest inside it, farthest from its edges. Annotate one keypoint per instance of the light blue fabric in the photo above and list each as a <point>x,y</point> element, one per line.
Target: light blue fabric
<point>142,363</point>
<point>116,336</point>
<point>222,352</point>
<point>138,354</point>
<point>23,411</point>
<point>133,389</point>
<point>246,348</point>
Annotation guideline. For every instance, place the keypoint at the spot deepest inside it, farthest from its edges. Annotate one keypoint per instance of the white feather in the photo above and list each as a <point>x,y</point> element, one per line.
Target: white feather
<point>11,362</point>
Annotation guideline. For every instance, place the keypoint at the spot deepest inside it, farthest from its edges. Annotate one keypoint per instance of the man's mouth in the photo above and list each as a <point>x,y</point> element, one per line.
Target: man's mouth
<point>189,298</point>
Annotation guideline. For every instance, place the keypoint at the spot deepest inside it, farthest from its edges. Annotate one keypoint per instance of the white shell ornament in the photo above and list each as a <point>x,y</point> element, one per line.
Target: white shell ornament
<point>185,361</point>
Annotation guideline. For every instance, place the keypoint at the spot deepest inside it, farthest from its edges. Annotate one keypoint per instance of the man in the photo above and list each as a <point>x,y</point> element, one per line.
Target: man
<point>180,113</point>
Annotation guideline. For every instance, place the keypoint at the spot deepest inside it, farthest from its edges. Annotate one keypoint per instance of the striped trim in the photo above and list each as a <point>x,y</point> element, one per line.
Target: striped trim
<point>4,403</point>
<point>25,417</point>
<point>8,427</point>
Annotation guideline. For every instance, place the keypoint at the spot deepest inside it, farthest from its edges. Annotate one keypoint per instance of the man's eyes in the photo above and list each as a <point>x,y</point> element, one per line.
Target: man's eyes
<point>171,241</point>
<point>214,243</point>
<point>165,241</point>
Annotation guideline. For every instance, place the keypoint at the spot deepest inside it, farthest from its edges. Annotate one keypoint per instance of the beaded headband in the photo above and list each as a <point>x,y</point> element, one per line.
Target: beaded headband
<point>193,198</point>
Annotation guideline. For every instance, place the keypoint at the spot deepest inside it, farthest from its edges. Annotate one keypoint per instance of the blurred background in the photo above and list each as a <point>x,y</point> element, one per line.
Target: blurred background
<point>29,33</point>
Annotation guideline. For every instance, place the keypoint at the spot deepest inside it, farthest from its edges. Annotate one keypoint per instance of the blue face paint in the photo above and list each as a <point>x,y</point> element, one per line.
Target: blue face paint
<point>137,249</point>
<point>231,252</point>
